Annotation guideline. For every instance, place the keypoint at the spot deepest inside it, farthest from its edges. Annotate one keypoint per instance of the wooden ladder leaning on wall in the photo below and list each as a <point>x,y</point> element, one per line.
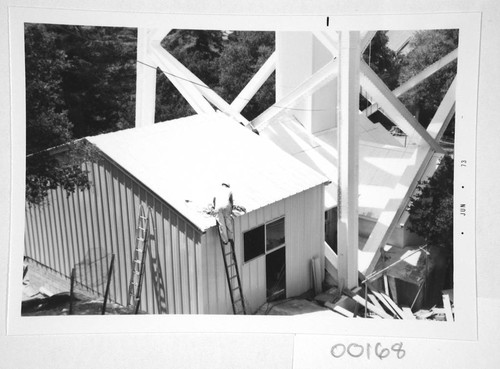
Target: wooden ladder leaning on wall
<point>232,275</point>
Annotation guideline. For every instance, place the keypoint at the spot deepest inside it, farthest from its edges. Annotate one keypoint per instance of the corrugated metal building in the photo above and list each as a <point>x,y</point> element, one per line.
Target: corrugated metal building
<point>174,168</point>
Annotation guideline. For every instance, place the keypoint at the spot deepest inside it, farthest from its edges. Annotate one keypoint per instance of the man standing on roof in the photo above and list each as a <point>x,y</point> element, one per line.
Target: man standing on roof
<point>223,206</point>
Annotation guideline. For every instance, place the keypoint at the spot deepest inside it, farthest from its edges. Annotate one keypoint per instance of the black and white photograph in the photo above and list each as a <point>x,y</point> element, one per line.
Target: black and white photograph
<point>239,172</point>
<point>213,186</point>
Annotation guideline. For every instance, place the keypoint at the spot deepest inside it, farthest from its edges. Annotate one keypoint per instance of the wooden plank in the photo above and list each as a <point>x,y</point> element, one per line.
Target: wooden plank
<point>393,289</point>
<point>394,306</point>
<point>386,285</point>
<point>384,302</point>
<point>340,310</point>
<point>377,310</point>
<point>408,313</point>
<point>374,301</point>
<point>316,271</point>
<point>447,308</point>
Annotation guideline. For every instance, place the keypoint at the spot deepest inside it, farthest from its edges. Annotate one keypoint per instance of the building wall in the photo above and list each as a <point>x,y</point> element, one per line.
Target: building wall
<point>83,229</point>
<point>304,239</point>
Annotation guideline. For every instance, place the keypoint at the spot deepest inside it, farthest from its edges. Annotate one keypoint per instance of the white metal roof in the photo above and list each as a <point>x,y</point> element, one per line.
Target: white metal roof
<point>383,159</point>
<point>184,161</point>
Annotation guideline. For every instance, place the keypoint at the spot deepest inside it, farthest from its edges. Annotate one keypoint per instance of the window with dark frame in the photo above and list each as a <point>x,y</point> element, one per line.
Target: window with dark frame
<point>263,239</point>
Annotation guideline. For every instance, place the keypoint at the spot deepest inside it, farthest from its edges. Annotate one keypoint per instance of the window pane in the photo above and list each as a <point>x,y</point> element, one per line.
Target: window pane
<point>253,243</point>
<point>275,234</point>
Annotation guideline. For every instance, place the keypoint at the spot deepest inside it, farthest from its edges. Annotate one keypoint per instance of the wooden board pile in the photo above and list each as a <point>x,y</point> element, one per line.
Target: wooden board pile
<point>379,305</point>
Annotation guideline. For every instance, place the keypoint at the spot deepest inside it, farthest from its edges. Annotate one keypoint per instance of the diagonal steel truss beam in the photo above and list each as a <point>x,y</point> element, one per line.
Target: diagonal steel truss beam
<point>418,78</point>
<point>315,82</point>
<point>394,108</point>
<point>254,84</point>
<point>425,158</point>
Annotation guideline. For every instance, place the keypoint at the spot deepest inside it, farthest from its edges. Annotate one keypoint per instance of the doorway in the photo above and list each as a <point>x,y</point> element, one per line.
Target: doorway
<point>276,275</point>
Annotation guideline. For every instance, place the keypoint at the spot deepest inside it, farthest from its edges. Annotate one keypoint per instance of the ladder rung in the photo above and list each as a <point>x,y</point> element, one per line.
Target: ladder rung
<point>139,250</point>
<point>140,239</point>
<point>138,261</point>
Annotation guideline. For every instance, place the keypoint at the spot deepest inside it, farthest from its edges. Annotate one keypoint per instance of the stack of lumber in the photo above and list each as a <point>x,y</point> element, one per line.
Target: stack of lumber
<point>379,305</point>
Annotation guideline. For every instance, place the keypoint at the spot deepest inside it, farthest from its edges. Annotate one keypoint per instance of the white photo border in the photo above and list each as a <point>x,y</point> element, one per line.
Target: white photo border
<point>465,326</point>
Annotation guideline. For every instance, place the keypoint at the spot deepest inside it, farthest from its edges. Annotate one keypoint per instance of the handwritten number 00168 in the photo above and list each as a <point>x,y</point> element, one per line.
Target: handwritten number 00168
<point>355,350</point>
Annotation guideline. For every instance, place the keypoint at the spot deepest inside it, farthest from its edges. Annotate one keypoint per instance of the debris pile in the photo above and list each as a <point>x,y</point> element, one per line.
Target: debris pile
<point>370,303</point>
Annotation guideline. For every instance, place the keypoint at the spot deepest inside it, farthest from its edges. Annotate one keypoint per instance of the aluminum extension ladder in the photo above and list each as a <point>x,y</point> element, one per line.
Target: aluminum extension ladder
<point>142,240</point>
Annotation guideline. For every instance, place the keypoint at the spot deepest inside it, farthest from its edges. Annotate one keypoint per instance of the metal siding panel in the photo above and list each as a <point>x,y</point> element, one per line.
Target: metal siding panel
<point>199,272</point>
<point>86,217</point>
<point>191,254</point>
<point>184,266</point>
<point>27,233</point>
<point>102,208</point>
<point>63,209</point>
<point>96,195</point>
<point>75,244</point>
<point>39,237</point>
<point>41,245</point>
<point>204,273</point>
<point>176,263</point>
<point>82,249</point>
<point>115,246</point>
<point>170,275</point>
<point>294,240</point>
<point>53,232</point>
<point>30,230</point>
<point>159,260</point>
<point>87,244</point>
<point>46,238</point>
<point>120,248</point>
<point>145,303</point>
<point>148,283</point>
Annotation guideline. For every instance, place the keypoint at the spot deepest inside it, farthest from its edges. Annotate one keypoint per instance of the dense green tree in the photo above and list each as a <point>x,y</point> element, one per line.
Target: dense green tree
<point>243,55</point>
<point>426,48</point>
<point>431,208</point>
<point>76,85</point>
<point>224,63</point>
<point>47,122</point>
<point>384,62</point>
<point>99,86</point>
<point>199,51</point>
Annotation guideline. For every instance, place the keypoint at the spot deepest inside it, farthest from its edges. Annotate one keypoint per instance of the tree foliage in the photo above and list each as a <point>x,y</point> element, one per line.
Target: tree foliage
<point>384,62</point>
<point>224,63</point>
<point>79,81</point>
<point>431,209</point>
<point>243,55</point>
<point>199,51</point>
<point>428,47</point>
